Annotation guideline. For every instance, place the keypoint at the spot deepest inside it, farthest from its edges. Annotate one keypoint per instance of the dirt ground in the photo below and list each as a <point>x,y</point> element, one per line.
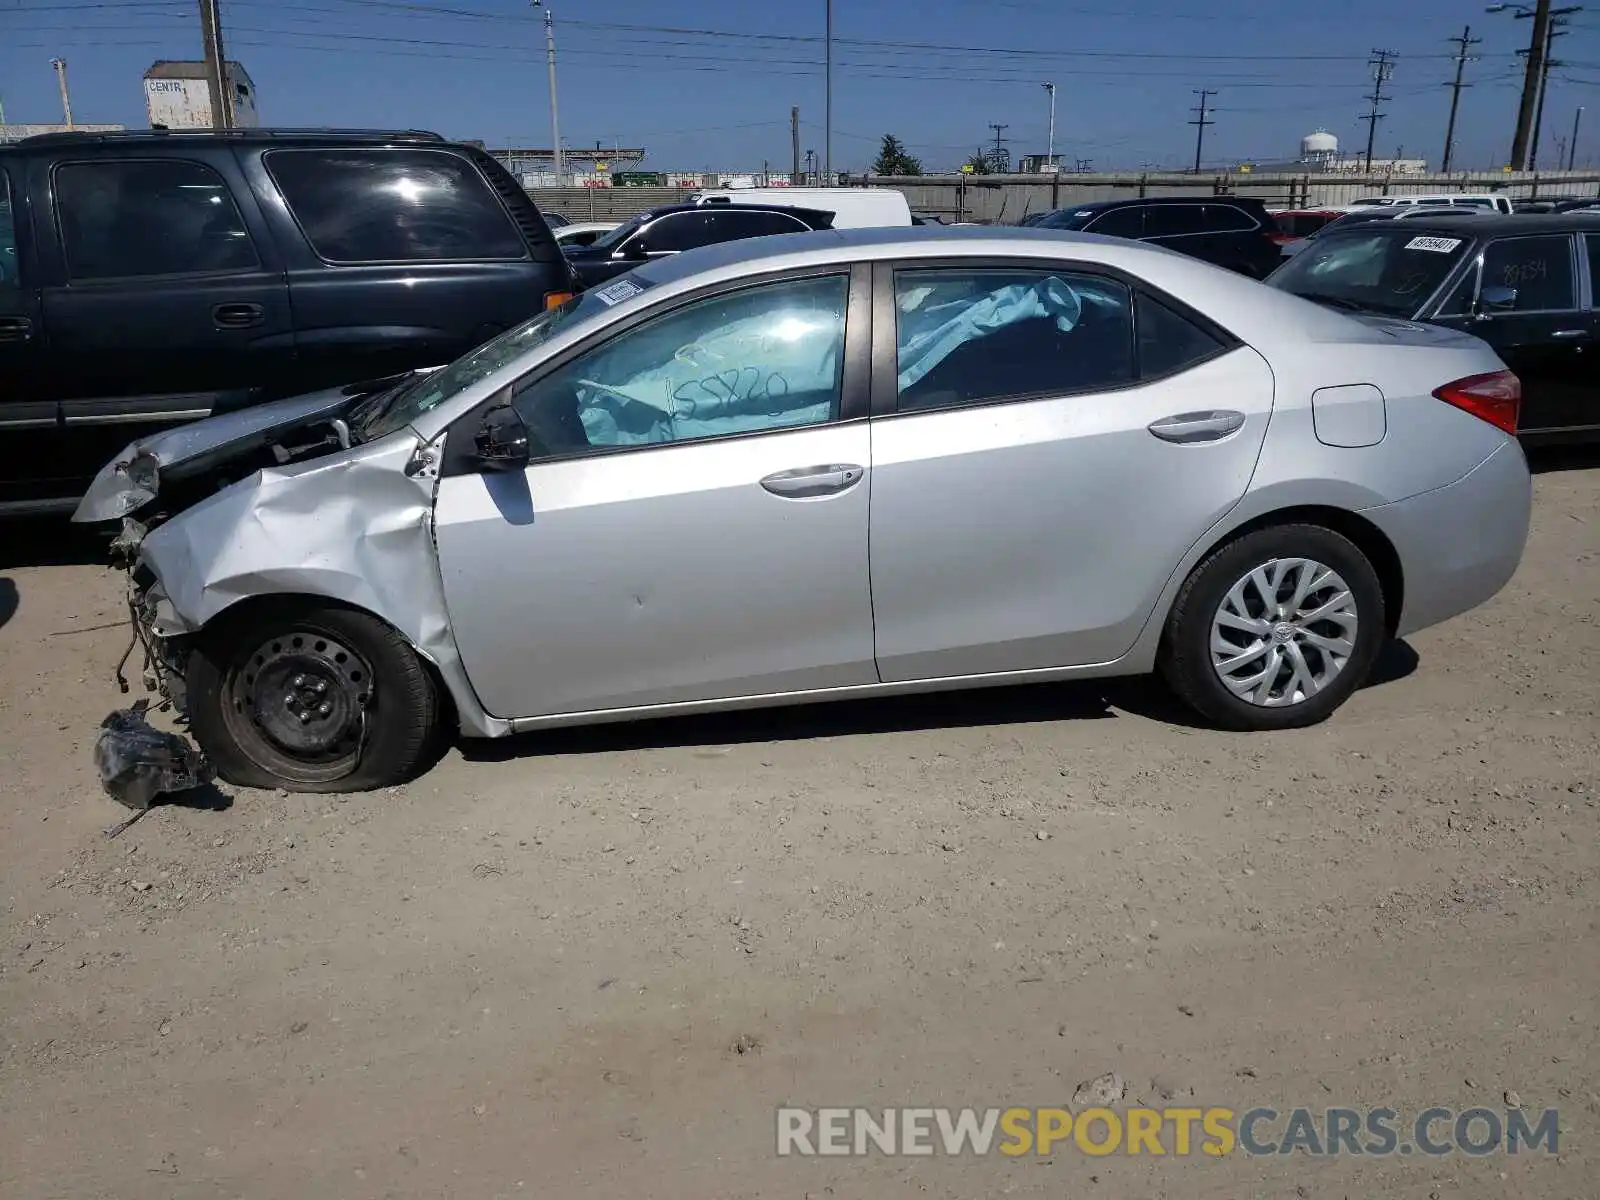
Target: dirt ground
<point>594,963</point>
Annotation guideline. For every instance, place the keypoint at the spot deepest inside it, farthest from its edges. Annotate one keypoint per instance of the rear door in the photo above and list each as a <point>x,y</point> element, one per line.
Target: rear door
<point>163,297</point>
<point>1547,337</point>
<point>29,442</point>
<point>1033,487</point>
<point>398,258</point>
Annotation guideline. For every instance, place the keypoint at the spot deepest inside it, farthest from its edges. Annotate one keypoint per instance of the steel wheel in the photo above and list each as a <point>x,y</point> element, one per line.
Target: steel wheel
<point>1284,632</point>
<point>298,704</point>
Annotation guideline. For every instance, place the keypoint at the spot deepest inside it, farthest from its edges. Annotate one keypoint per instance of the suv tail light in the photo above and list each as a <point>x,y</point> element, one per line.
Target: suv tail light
<point>1495,398</point>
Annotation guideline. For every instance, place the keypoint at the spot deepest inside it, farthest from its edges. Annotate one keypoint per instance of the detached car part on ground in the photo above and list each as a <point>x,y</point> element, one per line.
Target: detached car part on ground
<point>1076,457</point>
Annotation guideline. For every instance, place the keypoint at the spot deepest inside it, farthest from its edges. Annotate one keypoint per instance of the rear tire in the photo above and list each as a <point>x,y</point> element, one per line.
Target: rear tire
<point>1238,646</point>
<point>312,697</point>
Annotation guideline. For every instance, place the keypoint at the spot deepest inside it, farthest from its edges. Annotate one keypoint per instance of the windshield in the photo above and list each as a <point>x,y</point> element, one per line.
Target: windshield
<point>1378,270</point>
<point>620,234</point>
<point>423,393</point>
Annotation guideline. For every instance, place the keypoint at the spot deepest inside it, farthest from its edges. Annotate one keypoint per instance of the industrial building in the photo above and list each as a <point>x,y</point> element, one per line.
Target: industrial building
<point>177,96</point>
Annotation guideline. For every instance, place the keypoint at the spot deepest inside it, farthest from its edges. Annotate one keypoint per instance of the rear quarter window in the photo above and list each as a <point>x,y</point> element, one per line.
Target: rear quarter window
<point>376,206</point>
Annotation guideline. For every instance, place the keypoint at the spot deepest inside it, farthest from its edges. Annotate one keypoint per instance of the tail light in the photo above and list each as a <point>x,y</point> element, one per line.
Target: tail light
<point>1495,398</point>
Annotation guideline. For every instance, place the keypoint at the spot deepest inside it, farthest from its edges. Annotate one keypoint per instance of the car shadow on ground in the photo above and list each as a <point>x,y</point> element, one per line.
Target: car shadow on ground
<point>8,599</point>
<point>1099,699</point>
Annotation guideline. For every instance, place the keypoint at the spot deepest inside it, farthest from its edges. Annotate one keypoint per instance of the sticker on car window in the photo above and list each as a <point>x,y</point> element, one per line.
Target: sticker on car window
<point>1437,245</point>
<point>616,293</point>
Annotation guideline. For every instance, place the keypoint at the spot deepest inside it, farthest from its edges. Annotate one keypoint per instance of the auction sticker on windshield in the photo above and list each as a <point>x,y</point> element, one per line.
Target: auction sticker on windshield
<point>1437,245</point>
<point>619,291</point>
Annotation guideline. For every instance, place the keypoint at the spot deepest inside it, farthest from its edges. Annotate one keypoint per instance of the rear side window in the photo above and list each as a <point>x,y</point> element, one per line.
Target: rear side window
<point>10,275</point>
<point>1171,220</point>
<point>141,217</point>
<point>680,231</point>
<point>1226,218</point>
<point>731,224</point>
<point>1168,342</point>
<point>376,206</point>
<point>1592,254</point>
<point>1119,222</point>
<point>1539,269</point>
<point>970,336</point>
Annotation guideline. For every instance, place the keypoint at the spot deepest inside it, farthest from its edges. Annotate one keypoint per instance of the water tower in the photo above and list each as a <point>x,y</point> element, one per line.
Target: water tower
<point>1319,147</point>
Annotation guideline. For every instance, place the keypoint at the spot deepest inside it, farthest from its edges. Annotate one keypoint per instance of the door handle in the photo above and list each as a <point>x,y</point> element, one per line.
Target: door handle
<point>1570,333</point>
<point>803,482</point>
<point>237,316</point>
<point>1197,426</point>
<point>15,329</point>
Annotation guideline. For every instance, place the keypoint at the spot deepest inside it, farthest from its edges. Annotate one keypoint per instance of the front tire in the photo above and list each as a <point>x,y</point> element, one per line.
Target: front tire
<point>312,697</point>
<point>1274,630</point>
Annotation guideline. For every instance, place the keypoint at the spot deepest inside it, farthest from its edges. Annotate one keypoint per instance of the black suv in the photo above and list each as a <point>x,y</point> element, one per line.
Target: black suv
<point>150,278</point>
<point>679,227</point>
<point>1231,231</point>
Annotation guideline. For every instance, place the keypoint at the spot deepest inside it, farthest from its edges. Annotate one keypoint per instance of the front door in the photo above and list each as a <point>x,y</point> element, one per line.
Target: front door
<point>165,303</point>
<point>1540,330</point>
<point>1054,443</point>
<point>29,437</point>
<point>693,523</point>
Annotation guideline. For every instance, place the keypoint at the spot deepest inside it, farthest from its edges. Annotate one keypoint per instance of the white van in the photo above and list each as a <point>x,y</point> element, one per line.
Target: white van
<point>1494,201</point>
<point>852,208</point>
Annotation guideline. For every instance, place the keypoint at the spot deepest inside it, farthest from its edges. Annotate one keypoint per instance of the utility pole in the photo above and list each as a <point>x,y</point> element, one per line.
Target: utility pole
<point>1463,44</point>
<point>1531,76</point>
<point>811,161</point>
<point>1200,124</point>
<point>827,113</point>
<point>1555,26</point>
<point>60,64</point>
<point>794,145</point>
<point>550,56</point>
<point>1572,146</point>
<point>1000,160</point>
<point>1382,64</point>
<point>216,66</point>
<point>1050,147</point>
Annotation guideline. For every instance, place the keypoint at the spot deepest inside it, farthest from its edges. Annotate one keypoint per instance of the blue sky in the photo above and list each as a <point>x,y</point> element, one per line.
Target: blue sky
<point>708,84</point>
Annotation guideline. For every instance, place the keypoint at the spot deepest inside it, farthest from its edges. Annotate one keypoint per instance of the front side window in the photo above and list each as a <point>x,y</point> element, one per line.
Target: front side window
<point>764,358</point>
<point>9,267</point>
<point>969,336</point>
<point>379,206</point>
<point>1119,222</point>
<point>1171,220</point>
<point>1538,269</point>
<point>134,218</point>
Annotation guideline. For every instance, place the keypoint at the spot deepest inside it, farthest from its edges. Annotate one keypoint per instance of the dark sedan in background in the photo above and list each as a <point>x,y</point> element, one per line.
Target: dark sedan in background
<point>1525,284</point>
<point>678,227</point>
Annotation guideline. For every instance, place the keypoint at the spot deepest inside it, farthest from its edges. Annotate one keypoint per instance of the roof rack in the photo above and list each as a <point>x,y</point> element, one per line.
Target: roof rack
<point>76,137</point>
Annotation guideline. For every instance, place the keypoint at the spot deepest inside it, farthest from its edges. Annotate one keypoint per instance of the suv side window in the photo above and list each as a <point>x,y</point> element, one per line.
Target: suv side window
<point>731,223</point>
<point>1591,244</point>
<point>10,274</point>
<point>762,358</point>
<point>680,231</point>
<point>1169,343</point>
<point>382,206</point>
<point>1539,268</point>
<point>1119,222</point>
<point>1170,220</point>
<point>139,217</point>
<point>975,335</point>
<point>1227,218</point>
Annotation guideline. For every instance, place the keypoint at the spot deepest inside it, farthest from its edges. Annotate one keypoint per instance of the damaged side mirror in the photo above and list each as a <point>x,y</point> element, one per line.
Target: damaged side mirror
<point>502,440</point>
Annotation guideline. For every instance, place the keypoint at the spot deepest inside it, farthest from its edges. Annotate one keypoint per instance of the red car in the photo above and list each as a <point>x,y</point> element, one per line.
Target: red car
<point>1296,223</point>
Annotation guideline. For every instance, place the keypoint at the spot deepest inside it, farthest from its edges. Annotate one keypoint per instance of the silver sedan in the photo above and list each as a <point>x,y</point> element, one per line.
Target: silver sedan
<point>818,467</point>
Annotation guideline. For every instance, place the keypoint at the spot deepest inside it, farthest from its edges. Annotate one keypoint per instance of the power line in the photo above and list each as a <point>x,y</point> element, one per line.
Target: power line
<point>1200,124</point>
<point>1382,64</point>
<point>1463,43</point>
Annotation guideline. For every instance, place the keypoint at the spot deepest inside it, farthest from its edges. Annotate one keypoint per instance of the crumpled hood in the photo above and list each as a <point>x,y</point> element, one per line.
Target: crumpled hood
<point>132,479</point>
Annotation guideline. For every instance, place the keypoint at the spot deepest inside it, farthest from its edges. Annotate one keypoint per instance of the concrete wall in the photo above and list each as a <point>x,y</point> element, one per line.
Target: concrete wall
<point>1006,199</point>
